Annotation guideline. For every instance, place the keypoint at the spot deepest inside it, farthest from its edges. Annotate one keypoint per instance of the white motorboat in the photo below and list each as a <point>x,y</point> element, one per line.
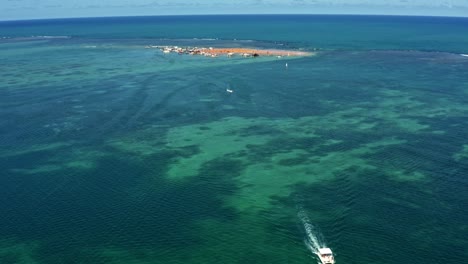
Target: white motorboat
<point>326,256</point>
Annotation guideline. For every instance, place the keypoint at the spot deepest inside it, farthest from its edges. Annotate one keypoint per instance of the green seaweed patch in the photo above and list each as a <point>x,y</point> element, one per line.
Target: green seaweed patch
<point>439,132</point>
<point>82,158</point>
<point>36,149</point>
<point>219,140</point>
<point>47,158</point>
<point>283,144</point>
<point>142,143</point>
<point>271,162</point>
<point>267,178</point>
<point>405,176</point>
<point>221,168</point>
<point>46,168</point>
<point>18,252</point>
<point>404,110</point>
<point>260,129</point>
<point>118,255</point>
<point>463,154</point>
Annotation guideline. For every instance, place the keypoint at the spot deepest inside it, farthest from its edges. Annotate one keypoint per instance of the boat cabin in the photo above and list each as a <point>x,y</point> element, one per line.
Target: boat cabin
<point>325,251</point>
<point>326,256</point>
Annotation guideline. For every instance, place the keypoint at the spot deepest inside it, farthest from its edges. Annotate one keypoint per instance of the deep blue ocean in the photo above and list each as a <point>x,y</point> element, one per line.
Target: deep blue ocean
<point>113,152</point>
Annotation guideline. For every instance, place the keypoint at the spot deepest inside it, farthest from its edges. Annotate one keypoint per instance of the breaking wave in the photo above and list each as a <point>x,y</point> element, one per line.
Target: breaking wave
<point>22,38</point>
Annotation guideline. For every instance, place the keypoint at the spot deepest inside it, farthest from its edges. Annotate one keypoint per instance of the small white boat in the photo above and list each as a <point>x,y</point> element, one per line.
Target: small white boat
<point>326,256</point>
<point>464,55</point>
<point>229,91</point>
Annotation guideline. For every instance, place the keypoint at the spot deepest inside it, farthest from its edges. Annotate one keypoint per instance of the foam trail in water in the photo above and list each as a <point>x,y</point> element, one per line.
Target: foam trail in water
<point>314,239</point>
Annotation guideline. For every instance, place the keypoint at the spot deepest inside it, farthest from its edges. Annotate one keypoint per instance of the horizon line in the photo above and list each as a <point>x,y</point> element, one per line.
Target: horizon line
<point>263,14</point>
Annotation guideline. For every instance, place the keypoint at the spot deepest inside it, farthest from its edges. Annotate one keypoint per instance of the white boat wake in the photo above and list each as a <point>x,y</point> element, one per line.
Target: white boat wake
<point>314,239</point>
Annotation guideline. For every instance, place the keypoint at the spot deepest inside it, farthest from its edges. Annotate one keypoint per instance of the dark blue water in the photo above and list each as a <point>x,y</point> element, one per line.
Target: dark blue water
<point>324,31</point>
<point>115,153</point>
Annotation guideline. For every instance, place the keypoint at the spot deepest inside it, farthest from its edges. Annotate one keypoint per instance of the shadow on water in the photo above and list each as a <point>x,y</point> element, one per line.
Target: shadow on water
<point>123,202</point>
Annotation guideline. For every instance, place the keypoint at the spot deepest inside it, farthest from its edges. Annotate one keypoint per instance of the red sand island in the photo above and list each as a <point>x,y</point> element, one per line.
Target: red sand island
<point>252,52</point>
<point>245,52</point>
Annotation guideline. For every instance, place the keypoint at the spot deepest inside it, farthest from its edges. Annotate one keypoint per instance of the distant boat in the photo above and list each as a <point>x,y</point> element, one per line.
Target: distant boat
<point>326,256</point>
<point>229,91</point>
<point>464,55</point>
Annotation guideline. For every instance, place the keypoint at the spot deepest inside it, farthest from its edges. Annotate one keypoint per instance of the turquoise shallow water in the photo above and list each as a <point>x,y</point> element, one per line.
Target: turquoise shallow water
<point>113,153</point>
